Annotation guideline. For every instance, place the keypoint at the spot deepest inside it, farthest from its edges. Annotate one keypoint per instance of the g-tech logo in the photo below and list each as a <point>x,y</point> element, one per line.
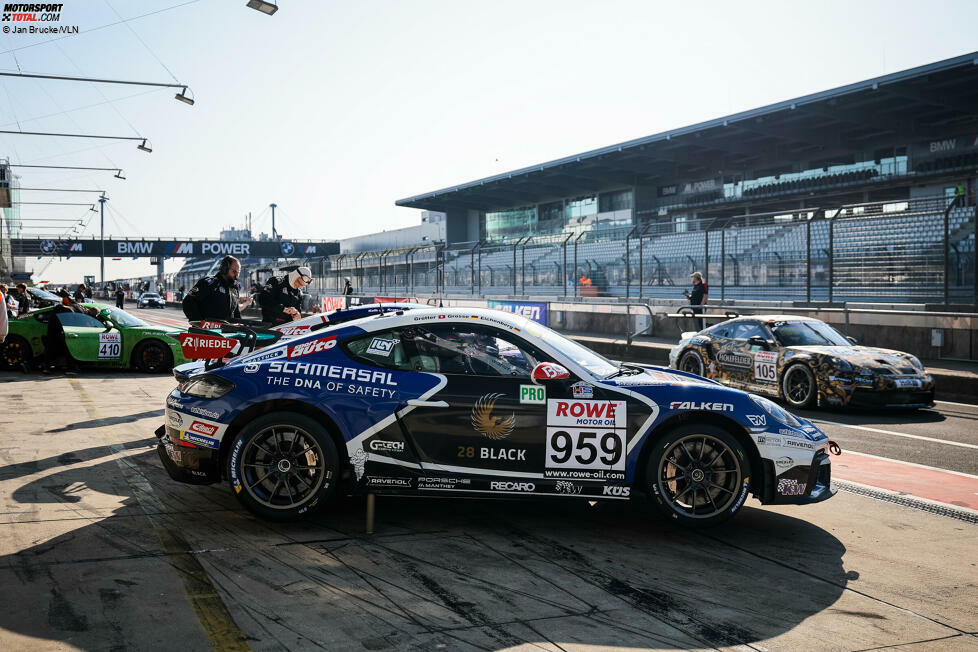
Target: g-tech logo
<point>312,346</point>
<point>203,428</point>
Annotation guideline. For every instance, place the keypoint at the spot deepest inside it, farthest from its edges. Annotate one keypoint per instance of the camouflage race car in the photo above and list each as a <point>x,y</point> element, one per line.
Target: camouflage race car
<point>803,361</point>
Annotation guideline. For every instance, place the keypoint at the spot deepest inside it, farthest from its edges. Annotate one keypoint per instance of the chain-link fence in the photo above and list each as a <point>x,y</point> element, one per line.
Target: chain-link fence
<point>920,250</point>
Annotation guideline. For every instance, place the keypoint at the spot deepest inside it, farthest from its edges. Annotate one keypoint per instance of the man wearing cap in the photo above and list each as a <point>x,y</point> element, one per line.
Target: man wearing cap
<point>281,298</point>
<point>697,298</point>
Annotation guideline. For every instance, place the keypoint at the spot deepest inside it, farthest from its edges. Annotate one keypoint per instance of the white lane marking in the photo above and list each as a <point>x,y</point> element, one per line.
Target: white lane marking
<point>897,434</point>
<point>919,466</point>
<point>899,494</point>
<point>971,405</point>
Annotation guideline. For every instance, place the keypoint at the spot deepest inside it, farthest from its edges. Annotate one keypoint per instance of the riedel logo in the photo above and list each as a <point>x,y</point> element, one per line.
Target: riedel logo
<point>313,346</point>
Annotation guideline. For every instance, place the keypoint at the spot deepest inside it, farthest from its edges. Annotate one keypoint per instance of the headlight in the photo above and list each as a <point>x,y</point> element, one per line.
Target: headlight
<point>916,363</point>
<point>776,411</point>
<point>840,364</point>
<point>207,386</point>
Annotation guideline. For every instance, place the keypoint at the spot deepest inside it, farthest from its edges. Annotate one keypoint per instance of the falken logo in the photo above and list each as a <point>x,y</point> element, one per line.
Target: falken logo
<point>203,428</point>
<point>312,346</point>
<point>757,419</point>
<point>624,492</point>
<point>379,445</point>
<point>483,420</point>
<point>512,486</point>
<point>691,405</point>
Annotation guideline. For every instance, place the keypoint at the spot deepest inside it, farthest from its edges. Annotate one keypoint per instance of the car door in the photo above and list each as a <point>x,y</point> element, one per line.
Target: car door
<point>490,419</point>
<point>89,340</point>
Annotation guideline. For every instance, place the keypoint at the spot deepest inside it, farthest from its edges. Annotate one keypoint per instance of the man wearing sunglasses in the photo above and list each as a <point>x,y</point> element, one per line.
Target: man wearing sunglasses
<point>281,298</point>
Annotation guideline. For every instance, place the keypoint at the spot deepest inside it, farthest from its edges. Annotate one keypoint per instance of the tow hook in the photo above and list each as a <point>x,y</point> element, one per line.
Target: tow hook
<point>834,448</point>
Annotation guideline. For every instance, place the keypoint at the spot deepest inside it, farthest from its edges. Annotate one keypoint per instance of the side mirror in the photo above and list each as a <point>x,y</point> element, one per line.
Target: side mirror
<point>757,340</point>
<point>546,372</point>
<point>852,339</point>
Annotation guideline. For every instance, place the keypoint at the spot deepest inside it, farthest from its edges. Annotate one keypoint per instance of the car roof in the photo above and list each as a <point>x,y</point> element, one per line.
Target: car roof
<point>770,318</point>
<point>485,316</point>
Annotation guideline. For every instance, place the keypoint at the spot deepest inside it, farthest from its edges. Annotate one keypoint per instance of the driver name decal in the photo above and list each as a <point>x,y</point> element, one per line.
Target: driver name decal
<point>586,439</point>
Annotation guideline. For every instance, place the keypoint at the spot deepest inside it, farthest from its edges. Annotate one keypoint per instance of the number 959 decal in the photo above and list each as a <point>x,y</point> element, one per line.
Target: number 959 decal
<point>586,439</point>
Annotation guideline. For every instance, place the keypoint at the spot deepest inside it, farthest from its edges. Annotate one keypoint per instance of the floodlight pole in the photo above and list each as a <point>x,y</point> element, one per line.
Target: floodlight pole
<point>273,207</point>
<point>101,201</point>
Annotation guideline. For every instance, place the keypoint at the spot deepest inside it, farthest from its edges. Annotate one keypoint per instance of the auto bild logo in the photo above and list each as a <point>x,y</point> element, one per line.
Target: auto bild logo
<point>312,346</point>
<point>485,422</point>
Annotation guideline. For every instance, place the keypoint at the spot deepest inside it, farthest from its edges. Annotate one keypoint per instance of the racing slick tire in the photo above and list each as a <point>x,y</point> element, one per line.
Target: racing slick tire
<point>283,466</point>
<point>152,357</point>
<point>14,352</point>
<point>798,386</point>
<point>697,475</point>
<point>691,362</point>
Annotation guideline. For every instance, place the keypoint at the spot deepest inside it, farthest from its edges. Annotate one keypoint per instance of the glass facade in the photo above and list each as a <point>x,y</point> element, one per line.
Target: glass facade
<point>514,223</point>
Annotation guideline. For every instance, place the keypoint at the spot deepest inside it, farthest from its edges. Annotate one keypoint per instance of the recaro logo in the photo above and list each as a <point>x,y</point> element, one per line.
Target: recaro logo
<point>692,405</point>
<point>203,428</point>
<point>512,486</point>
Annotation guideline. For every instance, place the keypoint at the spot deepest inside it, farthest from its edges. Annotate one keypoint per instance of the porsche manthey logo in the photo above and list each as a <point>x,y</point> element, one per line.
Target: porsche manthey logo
<point>484,421</point>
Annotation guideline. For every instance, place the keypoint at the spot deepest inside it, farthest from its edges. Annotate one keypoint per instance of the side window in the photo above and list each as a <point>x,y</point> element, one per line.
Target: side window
<point>473,350</point>
<point>79,319</point>
<point>748,329</point>
<point>383,349</point>
<point>722,330</point>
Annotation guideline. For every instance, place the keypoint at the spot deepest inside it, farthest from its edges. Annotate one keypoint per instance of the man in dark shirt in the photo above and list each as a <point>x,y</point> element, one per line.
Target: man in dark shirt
<point>281,298</point>
<point>216,298</point>
<point>23,300</point>
<point>697,298</point>
<point>120,298</point>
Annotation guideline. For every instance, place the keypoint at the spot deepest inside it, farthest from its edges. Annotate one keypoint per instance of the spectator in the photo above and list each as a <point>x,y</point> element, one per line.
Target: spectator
<point>348,287</point>
<point>697,298</point>
<point>80,293</point>
<point>281,298</point>
<point>3,313</point>
<point>120,298</point>
<point>217,297</point>
<point>23,300</point>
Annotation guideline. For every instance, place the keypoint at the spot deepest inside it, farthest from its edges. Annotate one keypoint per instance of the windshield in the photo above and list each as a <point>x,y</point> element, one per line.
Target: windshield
<point>124,320</point>
<point>807,333</point>
<point>44,294</point>
<point>150,295</point>
<point>596,364</point>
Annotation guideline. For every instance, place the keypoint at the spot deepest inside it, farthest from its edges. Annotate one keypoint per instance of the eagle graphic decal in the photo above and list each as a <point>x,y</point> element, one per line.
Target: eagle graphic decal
<point>491,426</point>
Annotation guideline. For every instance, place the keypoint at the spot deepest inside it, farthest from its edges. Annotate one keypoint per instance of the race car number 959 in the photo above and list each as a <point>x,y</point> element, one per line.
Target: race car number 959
<point>562,446</point>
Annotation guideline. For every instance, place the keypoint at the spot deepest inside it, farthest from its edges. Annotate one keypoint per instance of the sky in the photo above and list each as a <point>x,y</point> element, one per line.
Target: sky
<point>335,110</point>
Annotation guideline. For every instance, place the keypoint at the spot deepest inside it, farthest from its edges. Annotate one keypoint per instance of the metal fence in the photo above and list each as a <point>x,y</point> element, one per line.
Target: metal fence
<point>916,250</point>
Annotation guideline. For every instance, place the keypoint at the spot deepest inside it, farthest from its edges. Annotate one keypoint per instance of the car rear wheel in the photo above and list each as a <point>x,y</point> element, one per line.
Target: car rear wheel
<point>691,362</point>
<point>282,466</point>
<point>698,475</point>
<point>14,351</point>
<point>152,357</point>
<point>798,386</point>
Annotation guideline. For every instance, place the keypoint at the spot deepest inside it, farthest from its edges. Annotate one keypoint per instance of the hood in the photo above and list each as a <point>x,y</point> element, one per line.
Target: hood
<point>865,356</point>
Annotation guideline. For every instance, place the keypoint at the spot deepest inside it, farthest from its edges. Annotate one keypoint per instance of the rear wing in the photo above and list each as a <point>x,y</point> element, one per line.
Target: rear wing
<point>687,312</point>
<point>219,342</point>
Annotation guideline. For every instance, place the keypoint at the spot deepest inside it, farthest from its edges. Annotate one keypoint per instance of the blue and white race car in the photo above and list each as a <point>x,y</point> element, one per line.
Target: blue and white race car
<point>478,403</point>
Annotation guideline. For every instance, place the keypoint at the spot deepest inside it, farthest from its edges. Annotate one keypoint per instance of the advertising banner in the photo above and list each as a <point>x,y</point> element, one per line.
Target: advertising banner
<point>537,312</point>
<point>329,304</point>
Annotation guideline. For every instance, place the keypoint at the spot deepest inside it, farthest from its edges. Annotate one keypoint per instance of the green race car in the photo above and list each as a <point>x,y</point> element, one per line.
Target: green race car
<point>103,337</point>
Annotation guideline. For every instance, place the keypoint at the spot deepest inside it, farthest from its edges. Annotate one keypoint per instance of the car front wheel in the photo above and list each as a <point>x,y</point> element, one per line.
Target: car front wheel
<point>798,386</point>
<point>283,466</point>
<point>691,362</point>
<point>698,475</point>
